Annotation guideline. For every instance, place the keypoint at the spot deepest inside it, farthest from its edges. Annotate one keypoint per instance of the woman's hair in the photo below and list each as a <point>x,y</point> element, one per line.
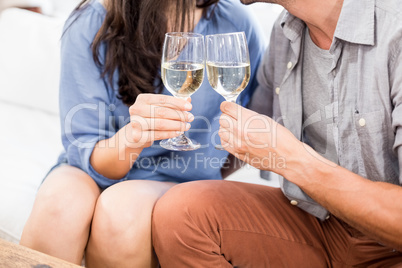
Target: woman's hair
<point>133,31</point>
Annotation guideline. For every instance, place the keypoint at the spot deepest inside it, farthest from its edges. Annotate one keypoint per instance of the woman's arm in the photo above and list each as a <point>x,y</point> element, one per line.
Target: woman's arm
<point>153,117</point>
<point>87,104</point>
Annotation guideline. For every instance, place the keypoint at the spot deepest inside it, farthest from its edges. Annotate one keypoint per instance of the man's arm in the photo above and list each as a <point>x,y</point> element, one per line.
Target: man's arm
<point>374,208</point>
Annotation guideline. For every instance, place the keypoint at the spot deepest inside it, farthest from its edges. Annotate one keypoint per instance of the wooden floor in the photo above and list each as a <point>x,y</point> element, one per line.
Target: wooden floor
<point>16,256</point>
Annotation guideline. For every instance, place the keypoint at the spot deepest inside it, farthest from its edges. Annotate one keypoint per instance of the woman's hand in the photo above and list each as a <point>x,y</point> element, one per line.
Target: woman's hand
<point>152,117</point>
<point>157,117</point>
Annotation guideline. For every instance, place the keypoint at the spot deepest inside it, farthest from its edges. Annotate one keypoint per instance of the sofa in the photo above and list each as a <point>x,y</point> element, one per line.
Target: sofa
<point>30,130</point>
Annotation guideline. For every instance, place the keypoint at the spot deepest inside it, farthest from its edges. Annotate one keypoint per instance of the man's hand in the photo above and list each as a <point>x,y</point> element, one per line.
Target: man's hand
<point>257,139</point>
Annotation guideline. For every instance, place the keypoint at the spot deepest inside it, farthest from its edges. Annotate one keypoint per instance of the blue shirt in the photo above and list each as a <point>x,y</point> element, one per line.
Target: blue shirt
<point>90,110</point>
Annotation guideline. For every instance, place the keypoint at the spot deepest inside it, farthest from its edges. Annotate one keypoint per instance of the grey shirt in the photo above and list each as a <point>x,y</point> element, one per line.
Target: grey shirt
<point>319,123</point>
<point>365,81</point>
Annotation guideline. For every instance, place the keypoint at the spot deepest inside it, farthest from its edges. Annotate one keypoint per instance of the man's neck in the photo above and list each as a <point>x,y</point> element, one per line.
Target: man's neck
<point>320,16</point>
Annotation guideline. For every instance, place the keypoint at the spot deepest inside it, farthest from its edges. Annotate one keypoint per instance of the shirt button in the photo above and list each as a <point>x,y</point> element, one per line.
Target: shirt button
<point>277,90</point>
<point>290,64</point>
<point>294,202</point>
<point>362,122</point>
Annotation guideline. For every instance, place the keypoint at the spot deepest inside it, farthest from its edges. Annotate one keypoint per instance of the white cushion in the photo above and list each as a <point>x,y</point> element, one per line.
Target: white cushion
<point>30,130</point>
<point>64,7</point>
<point>30,144</point>
<point>46,6</point>
<point>30,59</point>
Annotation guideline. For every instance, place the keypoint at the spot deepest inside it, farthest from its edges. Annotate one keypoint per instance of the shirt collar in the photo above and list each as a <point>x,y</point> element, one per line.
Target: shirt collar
<point>355,24</point>
<point>292,26</point>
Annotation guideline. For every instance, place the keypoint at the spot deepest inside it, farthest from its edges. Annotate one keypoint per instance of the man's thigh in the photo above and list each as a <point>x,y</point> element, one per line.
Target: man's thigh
<point>239,224</point>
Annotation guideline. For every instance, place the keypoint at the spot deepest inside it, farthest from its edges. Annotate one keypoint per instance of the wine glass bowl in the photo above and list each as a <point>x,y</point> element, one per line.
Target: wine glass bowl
<point>182,79</point>
<point>228,65</point>
<point>229,79</point>
<point>183,63</point>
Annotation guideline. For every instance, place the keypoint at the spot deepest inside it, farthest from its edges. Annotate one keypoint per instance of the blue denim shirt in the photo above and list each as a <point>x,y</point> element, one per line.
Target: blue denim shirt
<point>365,84</point>
<point>90,109</point>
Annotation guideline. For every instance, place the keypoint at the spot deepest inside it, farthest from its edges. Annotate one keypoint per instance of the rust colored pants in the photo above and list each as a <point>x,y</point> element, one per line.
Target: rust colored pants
<point>231,224</point>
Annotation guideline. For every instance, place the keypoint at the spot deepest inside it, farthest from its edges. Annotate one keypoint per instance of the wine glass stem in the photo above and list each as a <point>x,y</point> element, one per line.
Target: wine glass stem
<point>233,99</point>
<point>182,137</point>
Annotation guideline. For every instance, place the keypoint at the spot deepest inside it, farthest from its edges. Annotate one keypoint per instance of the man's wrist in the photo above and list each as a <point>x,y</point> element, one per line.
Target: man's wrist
<point>307,167</point>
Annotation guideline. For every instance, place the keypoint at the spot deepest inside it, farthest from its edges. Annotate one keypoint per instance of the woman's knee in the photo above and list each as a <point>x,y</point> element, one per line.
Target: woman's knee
<point>67,193</point>
<point>126,206</point>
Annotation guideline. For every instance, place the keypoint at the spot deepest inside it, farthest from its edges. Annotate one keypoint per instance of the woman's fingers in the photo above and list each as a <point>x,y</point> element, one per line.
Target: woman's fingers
<point>150,111</point>
<point>157,117</point>
<point>162,106</point>
<point>161,135</point>
<point>156,124</point>
<point>165,101</point>
<point>147,137</point>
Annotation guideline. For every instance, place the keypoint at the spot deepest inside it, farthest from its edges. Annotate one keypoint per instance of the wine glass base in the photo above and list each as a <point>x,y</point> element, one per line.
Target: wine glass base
<point>219,147</point>
<point>174,145</point>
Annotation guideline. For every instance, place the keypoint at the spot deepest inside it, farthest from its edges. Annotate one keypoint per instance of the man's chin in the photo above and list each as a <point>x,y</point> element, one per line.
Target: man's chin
<point>247,2</point>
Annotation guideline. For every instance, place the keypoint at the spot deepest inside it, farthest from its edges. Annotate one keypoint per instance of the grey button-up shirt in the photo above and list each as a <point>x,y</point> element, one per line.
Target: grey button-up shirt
<point>366,85</point>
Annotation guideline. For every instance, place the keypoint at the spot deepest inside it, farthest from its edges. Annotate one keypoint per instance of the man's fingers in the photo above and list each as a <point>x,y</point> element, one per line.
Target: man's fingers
<point>236,111</point>
<point>233,141</point>
<point>225,135</point>
<point>226,121</point>
<point>231,109</point>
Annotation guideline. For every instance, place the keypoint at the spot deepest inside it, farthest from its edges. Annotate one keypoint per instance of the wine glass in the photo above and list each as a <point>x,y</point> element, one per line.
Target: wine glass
<point>228,65</point>
<point>183,63</point>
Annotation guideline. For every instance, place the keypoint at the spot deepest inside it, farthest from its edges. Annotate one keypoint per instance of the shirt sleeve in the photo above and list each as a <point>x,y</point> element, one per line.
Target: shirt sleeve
<point>262,101</point>
<point>396,97</point>
<point>85,101</point>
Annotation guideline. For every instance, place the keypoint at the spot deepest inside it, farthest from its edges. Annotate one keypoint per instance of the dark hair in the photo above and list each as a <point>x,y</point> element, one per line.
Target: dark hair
<point>133,31</point>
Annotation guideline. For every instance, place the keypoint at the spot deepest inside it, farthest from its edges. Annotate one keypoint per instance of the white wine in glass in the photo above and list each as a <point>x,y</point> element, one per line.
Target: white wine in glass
<point>229,80</point>
<point>182,78</point>
<point>228,65</point>
<point>183,63</point>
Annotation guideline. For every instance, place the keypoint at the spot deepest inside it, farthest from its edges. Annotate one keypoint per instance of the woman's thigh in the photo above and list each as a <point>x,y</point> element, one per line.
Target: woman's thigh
<point>62,213</point>
<point>127,203</point>
<point>66,191</point>
<point>67,186</point>
<point>121,227</point>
